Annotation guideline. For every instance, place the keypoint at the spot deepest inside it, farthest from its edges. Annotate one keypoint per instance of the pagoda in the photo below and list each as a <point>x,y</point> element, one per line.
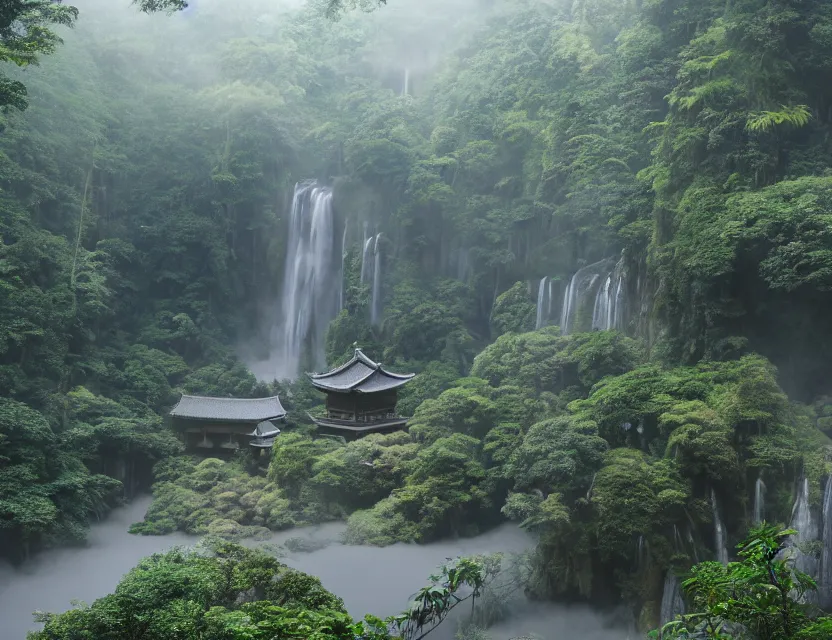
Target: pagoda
<point>361,398</point>
<point>227,424</point>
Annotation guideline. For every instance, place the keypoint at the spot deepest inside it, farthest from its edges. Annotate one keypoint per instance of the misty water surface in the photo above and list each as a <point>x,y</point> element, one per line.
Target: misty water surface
<point>369,579</point>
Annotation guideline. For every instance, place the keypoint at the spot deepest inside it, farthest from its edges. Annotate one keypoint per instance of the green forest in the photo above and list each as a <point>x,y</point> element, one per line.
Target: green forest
<point>598,231</point>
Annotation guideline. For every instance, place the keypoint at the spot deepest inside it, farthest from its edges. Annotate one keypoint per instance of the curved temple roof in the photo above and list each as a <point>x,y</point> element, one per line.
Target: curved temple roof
<point>230,409</point>
<point>359,375</point>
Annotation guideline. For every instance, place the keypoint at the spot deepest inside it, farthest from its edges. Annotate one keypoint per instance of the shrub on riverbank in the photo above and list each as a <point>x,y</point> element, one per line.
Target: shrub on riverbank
<point>216,497</point>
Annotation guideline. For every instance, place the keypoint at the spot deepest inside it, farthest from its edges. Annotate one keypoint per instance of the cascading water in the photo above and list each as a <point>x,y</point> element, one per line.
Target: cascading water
<point>643,553</point>
<point>308,301</point>
<point>371,274</point>
<point>551,297</point>
<point>672,602</point>
<point>375,304</point>
<point>759,507</point>
<point>807,531</point>
<point>406,88</point>
<point>543,303</point>
<point>366,263</point>
<point>825,573</point>
<point>594,299</point>
<point>719,531</point>
<point>341,299</point>
<point>608,312</point>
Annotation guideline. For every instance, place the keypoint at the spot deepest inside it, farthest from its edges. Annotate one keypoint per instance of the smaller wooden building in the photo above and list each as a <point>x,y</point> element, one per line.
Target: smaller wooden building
<point>226,424</point>
<point>361,398</point>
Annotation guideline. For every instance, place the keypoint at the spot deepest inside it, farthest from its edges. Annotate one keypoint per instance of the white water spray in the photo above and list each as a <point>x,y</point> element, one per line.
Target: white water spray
<point>672,602</point>
<point>308,301</point>
<point>825,573</point>
<point>375,304</point>
<point>807,531</point>
<point>371,273</point>
<point>719,531</point>
<point>759,507</point>
<point>341,299</point>
<point>608,312</point>
<point>543,303</point>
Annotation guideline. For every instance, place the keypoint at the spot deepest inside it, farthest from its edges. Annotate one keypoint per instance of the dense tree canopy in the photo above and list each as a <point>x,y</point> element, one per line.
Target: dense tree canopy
<point>652,176</point>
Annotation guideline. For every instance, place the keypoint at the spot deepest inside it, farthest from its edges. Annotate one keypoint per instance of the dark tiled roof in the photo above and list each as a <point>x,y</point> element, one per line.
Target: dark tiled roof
<point>359,375</point>
<point>231,409</point>
<point>265,430</point>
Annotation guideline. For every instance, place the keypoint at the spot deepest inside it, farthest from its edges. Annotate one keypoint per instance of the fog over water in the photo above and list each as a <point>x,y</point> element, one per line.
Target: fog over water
<point>369,579</point>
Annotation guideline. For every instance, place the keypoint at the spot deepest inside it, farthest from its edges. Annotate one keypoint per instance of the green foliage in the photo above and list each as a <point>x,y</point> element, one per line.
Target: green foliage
<point>513,311</point>
<point>214,497</point>
<point>139,239</point>
<point>223,591</point>
<point>26,33</point>
<point>46,493</point>
<point>546,364</point>
<point>444,494</point>
<point>760,595</point>
<point>432,604</point>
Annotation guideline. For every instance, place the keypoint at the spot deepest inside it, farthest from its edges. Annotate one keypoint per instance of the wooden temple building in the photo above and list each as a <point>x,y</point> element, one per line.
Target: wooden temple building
<point>361,398</point>
<point>226,424</point>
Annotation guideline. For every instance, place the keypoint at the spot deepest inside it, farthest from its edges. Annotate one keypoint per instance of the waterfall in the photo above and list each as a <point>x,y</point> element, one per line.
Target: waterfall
<point>807,531</point>
<point>551,295</point>
<point>608,312</point>
<point>543,303</point>
<point>602,313</point>
<point>593,299</point>
<point>341,299</point>
<point>643,553</point>
<point>308,300</point>
<point>406,90</point>
<point>672,602</point>
<point>825,575</point>
<point>375,304</point>
<point>759,508</point>
<point>366,263</point>
<point>719,532</point>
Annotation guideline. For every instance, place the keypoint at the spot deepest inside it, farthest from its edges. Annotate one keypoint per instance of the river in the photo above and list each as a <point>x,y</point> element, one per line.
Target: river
<point>369,579</point>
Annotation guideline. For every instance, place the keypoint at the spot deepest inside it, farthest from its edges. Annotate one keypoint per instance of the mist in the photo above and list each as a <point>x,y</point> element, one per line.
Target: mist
<point>375,580</point>
<point>587,240</point>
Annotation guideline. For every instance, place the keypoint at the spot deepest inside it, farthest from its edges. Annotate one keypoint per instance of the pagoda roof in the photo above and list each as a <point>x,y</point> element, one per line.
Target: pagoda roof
<point>228,409</point>
<point>359,375</point>
<point>265,430</point>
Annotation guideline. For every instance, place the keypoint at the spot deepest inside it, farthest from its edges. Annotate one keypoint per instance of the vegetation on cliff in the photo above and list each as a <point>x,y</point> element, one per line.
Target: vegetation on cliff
<point>142,217</point>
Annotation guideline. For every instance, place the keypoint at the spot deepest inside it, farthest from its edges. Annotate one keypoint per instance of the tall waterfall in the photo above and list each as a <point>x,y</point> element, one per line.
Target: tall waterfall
<point>406,88</point>
<point>807,530</point>
<point>341,299</point>
<point>608,312</point>
<point>759,507</point>
<point>825,574</point>
<point>719,531</point>
<point>366,262</point>
<point>371,273</point>
<point>542,303</point>
<point>308,301</point>
<point>595,298</point>
<point>672,602</point>
<point>545,302</point>
<point>375,303</point>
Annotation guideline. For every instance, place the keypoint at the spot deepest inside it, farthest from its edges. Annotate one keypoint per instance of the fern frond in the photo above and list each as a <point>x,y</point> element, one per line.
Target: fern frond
<point>797,116</point>
<point>704,92</point>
